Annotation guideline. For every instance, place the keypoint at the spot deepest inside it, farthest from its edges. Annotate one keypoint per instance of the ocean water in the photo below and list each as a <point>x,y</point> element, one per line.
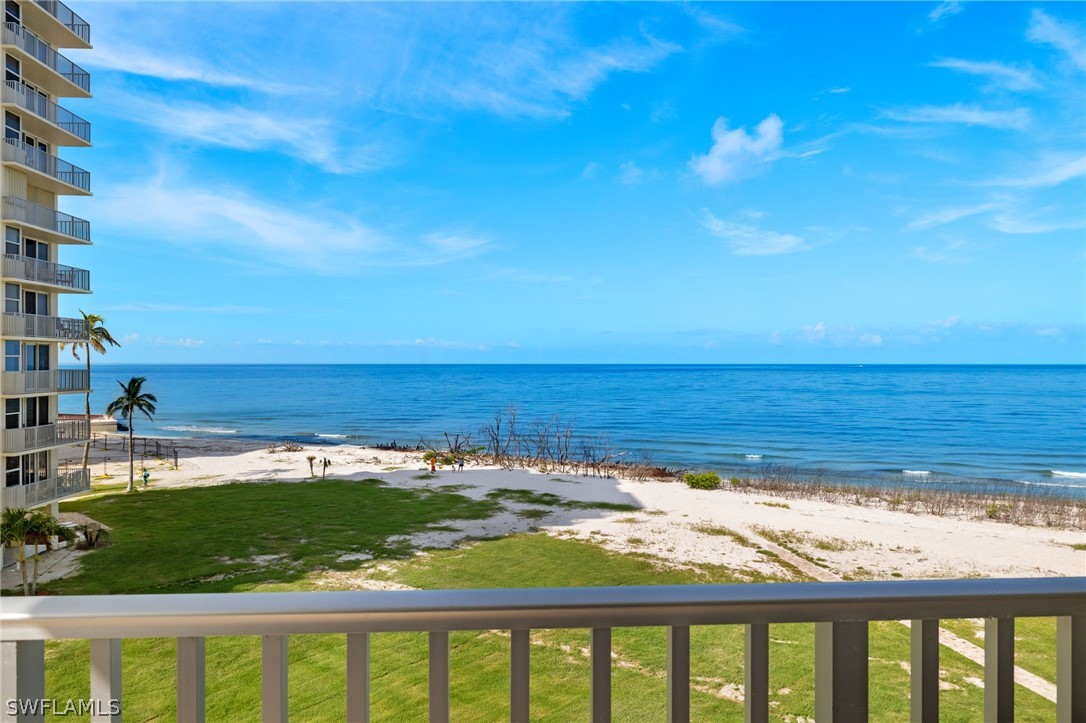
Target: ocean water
<point>1021,428</point>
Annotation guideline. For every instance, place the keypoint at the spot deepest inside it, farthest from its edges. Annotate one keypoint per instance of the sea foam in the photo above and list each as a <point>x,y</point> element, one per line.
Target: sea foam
<point>201,430</point>
<point>332,436</point>
<point>1061,473</point>
<point>916,472</point>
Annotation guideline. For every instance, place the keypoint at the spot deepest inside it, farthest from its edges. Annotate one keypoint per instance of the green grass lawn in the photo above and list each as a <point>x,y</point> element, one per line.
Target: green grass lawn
<point>273,537</point>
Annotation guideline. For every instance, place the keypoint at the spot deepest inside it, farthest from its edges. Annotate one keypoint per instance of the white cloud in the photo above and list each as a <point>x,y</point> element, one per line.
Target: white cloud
<point>719,27</point>
<point>1067,39</point>
<point>630,174</point>
<point>943,216</point>
<point>1049,331</point>
<point>945,9</point>
<point>971,115</point>
<point>229,222</point>
<point>840,90</point>
<point>310,139</point>
<point>148,62</point>
<point>746,240</point>
<point>813,332</point>
<point>591,170</point>
<point>735,152</point>
<point>999,74</point>
<point>1014,221</point>
<point>950,253</point>
<point>1057,172</point>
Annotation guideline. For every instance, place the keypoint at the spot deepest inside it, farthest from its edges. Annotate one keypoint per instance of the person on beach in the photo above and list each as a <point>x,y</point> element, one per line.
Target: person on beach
<point>433,464</point>
<point>459,464</point>
<point>146,476</point>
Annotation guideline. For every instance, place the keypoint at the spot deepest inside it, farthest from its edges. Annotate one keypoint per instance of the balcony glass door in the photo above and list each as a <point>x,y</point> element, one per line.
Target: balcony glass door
<point>35,303</point>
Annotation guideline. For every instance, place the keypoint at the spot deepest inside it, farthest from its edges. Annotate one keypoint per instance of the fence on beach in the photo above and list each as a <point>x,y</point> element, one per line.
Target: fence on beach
<point>147,446</point>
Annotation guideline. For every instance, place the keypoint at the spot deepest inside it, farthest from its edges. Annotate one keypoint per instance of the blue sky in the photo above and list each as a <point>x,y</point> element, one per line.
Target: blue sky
<point>687,183</point>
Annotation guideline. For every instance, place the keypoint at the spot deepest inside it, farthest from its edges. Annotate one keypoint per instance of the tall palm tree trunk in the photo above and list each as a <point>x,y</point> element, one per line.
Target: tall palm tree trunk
<point>87,446</point>
<point>131,452</point>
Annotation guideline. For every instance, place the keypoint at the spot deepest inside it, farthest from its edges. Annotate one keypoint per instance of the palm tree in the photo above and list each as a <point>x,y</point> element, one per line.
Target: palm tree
<point>14,531</point>
<point>97,338</point>
<point>133,399</point>
<point>42,528</point>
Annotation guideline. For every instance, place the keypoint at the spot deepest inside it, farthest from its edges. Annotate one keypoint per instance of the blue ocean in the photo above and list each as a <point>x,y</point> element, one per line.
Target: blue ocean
<point>1016,428</point>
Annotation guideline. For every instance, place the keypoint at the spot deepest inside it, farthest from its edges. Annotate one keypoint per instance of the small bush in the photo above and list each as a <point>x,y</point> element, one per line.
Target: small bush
<point>702,480</point>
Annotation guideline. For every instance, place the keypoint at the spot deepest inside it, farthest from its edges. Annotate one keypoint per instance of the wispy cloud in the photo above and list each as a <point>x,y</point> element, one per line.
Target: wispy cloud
<point>1056,172</point>
<point>838,91</point>
<point>630,174</point>
<point>959,113</point>
<point>735,153</point>
<point>720,28</point>
<point>312,140</point>
<point>943,216</point>
<point>948,253</point>
<point>1017,221</point>
<point>1064,37</point>
<point>836,335</point>
<point>747,240</point>
<point>945,9</point>
<point>229,222</point>
<point>999,74</point>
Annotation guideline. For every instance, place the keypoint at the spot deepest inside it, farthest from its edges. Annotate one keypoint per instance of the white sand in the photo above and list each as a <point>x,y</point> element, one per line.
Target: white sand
<point>846,540</point>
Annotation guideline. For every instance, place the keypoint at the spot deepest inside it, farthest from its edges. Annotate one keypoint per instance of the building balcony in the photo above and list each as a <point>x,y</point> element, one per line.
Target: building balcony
<point>42,492</point>
<point>840,612</point>
<point>57,23</point>
<point>57,175</point>
<point>48,68</point>
<point>50,121</point>
<point>28,439</point>
<point>46,273</point>
<point>50,328</point>
<point>47,381</point>
<point>46,222</point>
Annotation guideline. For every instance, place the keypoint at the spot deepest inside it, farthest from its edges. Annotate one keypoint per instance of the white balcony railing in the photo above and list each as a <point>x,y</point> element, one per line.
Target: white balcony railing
<point>67,18</point>
<point>46,272</point>
<point>34,214</point>
<point>46,163</point>
<point>26,439</point>
<point>17,93</point>
<point>46,381</point>
<point>17,35</point>
<point>841,613</point>
<point>34,326</point>
<point>65,484</point>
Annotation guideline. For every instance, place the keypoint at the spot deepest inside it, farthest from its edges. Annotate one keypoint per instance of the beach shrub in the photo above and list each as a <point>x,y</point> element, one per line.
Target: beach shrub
<point>702,480</point>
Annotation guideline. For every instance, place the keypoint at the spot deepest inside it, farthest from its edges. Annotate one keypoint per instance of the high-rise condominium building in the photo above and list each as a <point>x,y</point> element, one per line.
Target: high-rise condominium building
<point>36,127</point>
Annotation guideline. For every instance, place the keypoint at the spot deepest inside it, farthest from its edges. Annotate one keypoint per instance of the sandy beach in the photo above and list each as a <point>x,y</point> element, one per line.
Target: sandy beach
<point>678,525</point>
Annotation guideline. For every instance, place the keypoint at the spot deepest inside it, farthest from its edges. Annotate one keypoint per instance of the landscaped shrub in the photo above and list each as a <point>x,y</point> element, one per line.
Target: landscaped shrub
<point>702,480</point>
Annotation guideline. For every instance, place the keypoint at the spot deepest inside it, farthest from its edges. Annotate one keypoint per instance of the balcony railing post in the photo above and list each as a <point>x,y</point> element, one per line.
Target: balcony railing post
<point>924,671</point>
<point>191,680</point>
<point>840,671</point>
<point>358,677</point>
<point>105,680</point>
<point>439,677</point>
<point>274,683</point>
<point>756,673</point>
<point>1071,668</point>
<point>999,670</point>
<point>22,677</point>
<point>678,674</point>
<point>601,675</point>
<point>519,667</point>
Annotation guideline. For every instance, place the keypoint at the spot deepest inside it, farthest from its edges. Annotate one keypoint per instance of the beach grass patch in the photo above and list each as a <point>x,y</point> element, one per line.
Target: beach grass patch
<point>1079,546</point>
<point>781,505</point>
<point>720,531</point>
<point>702,480</point>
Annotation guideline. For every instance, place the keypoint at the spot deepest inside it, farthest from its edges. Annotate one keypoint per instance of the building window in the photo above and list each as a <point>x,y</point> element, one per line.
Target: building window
<point>37,411</point>
<point>11,299</point>
<point>11,356</point>
<point>11,414</point>
<point>12,241</point>
<point>35,303</point>
<point>13,126</point>
<point>11,471</point>
<point>12,70</point>
<point>36,250</point>
<point>12,12</point>
<point>35,467</point>
<point>37,357</point>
